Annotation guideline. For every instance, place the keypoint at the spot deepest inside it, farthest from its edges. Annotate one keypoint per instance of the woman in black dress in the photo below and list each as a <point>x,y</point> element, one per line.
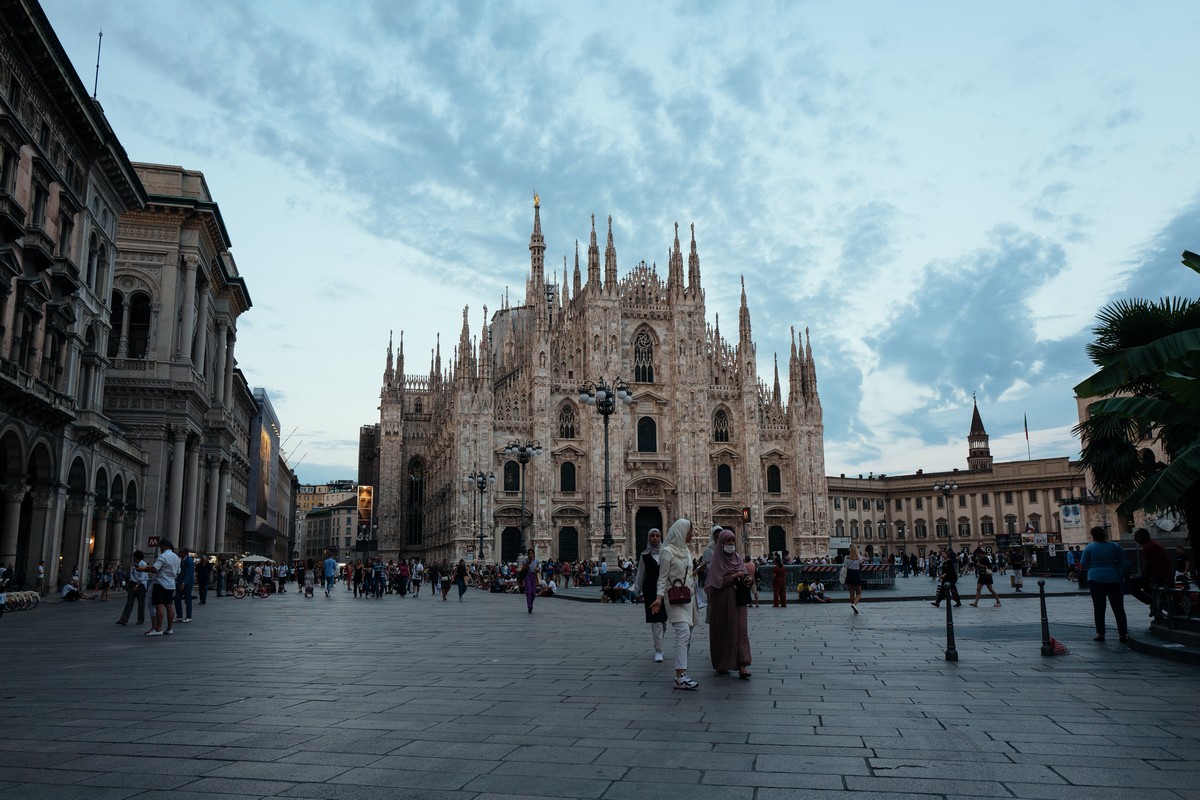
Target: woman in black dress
<point>647,584</point>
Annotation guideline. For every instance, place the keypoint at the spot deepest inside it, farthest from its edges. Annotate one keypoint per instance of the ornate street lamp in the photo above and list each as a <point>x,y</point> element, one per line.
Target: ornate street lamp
<point>947,488</point>
<point>604,399</point>
<point>480,481</point>
<point>523,452</point>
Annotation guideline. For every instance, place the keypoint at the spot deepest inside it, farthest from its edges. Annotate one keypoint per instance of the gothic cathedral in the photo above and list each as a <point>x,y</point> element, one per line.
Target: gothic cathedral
<point>703,437</point>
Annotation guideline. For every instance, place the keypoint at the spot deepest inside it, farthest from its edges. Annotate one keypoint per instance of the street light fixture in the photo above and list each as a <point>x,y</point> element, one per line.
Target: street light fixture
<point>480,481</point>
<point>947,488</point>
<point>604,399</point>
<point>523,452</point>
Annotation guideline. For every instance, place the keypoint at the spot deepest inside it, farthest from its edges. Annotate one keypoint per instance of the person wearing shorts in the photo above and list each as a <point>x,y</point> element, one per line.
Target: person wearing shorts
<point>162,592</point>
<point>983,577</point>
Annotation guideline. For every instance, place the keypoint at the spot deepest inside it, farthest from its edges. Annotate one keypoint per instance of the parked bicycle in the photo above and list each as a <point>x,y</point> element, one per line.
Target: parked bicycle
<point>16,601</point>
<point>241,590</point>
<point>1172,602</point>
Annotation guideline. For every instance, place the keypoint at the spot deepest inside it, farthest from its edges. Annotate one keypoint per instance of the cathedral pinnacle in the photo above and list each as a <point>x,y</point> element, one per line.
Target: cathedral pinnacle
<point>744,316</point>
<point>593,264</point>
<point>610,260</point>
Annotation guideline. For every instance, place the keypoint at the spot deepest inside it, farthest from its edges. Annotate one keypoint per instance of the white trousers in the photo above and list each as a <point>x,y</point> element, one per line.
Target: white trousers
<point>657,629</point>
<point>683,639</point>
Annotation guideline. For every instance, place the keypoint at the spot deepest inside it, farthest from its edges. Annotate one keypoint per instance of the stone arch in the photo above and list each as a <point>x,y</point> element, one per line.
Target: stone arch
<point>568,420</point>
<point>721,424</point>
<point>12,455</point>
<point>645,345</point>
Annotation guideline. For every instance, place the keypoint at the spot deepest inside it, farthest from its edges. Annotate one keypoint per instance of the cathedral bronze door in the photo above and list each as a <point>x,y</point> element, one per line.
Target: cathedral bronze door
<point>510,545</point>
<point>776,539</point>
<point>647,517</point>
<point>568,544</point>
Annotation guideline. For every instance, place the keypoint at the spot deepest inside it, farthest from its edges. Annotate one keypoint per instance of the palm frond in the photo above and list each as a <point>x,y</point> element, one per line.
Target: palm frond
<point>1166,488</point>
<point>1136,364</point>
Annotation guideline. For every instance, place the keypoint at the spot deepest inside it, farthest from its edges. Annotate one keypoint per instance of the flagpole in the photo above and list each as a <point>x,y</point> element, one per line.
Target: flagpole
<point>1028,453</point>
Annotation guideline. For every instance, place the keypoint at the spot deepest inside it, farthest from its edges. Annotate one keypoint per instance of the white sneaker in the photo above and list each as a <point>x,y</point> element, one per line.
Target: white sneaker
<point>685,682</point>
<point>658,657</point>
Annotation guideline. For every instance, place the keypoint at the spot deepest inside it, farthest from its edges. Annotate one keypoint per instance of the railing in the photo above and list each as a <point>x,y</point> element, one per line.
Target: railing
<point>874,576</point>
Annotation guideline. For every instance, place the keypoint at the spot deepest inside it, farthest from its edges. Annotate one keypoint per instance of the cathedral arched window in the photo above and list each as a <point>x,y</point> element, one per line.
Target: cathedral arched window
<point>512,476</point>
<point>721,426</point>
<point>724,479</point>
<point>566,477</point>
<point>774,481</point>
<point>566,421</point>
<point>643,358</point>
<point>647,435</point>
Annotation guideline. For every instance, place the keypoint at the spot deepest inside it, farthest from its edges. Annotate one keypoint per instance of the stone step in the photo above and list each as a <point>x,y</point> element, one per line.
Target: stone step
<point>1162,643</point>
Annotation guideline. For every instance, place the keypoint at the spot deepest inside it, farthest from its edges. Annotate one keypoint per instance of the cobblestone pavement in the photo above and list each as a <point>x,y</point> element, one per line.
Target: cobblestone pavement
<point>416,698</point>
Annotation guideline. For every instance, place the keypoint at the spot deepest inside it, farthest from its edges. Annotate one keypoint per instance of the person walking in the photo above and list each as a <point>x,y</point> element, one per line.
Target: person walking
<point>853,564</point>
<point>529,578</point>
<point>1016,560</point>
<point>330,574</point>
<point>647,583</point>
<point>135,590</point>
<point>165,570</point>
<point>675,569</point>
<point>983,577</point>
<point>779,583</point>
<point>728,597</point>
<point>948,586</point>
<point>1106,566</point>
<point>460,578</point>
<point>204,570</point>
<point>183,591</point>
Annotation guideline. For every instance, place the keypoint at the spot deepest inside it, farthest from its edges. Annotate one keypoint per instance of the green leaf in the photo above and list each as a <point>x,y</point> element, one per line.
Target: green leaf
<point>1191,260</point>
<point>1140,363</point>
<point>1166,488</point>
<point>1183,388</point>
<point>1148,409</point>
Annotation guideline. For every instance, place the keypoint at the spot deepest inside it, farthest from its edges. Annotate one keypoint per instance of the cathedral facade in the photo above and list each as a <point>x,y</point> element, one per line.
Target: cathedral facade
<point>703,436</point>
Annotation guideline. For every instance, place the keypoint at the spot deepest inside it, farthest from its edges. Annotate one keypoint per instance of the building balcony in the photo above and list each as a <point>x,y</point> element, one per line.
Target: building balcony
<point>31,399</point>
<point>39,247</point>
<point>12,217</point>
<point>91,427</point>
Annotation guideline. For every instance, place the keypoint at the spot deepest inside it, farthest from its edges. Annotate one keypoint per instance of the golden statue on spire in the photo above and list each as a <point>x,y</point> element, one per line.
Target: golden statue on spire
<point>536,201</point>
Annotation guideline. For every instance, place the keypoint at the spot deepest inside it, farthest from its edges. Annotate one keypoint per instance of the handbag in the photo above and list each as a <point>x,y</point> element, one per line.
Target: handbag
<point>842,574</point>
<point>741,593</point>
<point>678,593</point>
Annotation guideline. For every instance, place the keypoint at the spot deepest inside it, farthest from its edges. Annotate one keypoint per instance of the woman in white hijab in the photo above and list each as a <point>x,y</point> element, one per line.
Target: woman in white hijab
<point>675,567</point>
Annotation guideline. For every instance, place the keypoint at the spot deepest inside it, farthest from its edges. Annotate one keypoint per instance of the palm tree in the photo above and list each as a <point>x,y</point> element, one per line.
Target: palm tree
<point>1149,358</point>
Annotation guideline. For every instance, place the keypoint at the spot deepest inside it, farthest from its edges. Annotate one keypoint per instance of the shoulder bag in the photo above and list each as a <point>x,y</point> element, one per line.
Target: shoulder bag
<point>679,593</point>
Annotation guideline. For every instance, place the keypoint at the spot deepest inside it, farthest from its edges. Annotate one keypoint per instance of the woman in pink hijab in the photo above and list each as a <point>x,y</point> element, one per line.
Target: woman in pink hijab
<point>728,631</point>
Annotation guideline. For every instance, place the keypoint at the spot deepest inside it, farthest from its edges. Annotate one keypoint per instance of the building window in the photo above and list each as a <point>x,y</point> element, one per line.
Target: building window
<point>566,421</point>
<point>1058,494</point>
<point>920,529</point>
<point>1008,498</point>
<point>721,426</point>
<point>964,528</point>
<point>839,528</point>
<point>774,482</point>
<point>37,218</point>
<point>852,503</point>
<point>65,228</point>
<point>643,358</point>
<point>512,476</point>
<point>837,504</point>
<point>962,501</point>
<point>920,503</point>
<point>941,502</point>
<point>566,477</point>
<point>879,504</point>
<point>987,527</point>
<point>647,435</point>
<point>899,504</point>
<point>1010,523</point>
<point>854,529</point>
<point>942,528</point>
<point>1033,495</point>
<point>139,326</point>
<point>868,530</point>
<point>899,530</point>
<point>724,479</point>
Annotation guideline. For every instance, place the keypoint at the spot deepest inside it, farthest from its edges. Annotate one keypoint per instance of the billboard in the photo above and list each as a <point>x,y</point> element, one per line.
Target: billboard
<point>1071,516</point>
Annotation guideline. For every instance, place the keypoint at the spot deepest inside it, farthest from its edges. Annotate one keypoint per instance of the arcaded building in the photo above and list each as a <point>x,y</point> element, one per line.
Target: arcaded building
<point>703,438</point>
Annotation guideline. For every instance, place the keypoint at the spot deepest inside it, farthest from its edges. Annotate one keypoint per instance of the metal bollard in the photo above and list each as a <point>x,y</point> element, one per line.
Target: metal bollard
<point>951,649</point>
<point>1047,645</point>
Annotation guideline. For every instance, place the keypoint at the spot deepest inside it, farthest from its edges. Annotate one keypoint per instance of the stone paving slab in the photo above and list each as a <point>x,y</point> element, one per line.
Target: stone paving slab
<point>390,698</point>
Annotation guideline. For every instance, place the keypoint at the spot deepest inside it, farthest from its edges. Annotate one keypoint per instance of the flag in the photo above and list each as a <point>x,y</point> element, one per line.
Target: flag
<point>1027,427</point>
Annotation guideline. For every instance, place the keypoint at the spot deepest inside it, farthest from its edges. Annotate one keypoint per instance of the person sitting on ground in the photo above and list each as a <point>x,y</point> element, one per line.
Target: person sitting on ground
<point>547,589</point>
<point>818,593</point>
<point>804,593</point>
<point>72,591</point>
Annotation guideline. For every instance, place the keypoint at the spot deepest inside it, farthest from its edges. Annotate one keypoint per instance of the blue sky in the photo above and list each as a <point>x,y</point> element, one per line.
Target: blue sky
<point>943,193</point>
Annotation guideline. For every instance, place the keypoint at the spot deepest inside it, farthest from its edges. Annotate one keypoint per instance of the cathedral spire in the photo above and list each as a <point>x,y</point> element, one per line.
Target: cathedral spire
<point>575,285</point>
<point>744,318</point>
<point>693,265</point>
<point>610,261</point>
<point>593,267</point>
<point>400,360</point>
<point>675,270</point>
<point>810,368</point>
<point>776,394</point>
<point>463,353</point>
<point>389,373</point>
<point>537,260</point>
<point>485,352</point>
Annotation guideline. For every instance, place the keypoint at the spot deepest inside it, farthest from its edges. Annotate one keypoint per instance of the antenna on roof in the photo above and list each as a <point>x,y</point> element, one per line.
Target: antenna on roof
<point>96,82</point>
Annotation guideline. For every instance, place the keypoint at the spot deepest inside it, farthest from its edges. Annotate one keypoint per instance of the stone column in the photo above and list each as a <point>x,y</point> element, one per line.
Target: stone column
<point>217,379</point>
<point>214,493</point>
<point>99,545</point>
<point>52,544</point>
<point>14,495</point>
<point>123,341</point>
<point>183,348</point>
<point>73,519</point>
<point>229,362</point>
<point>188,537</point>
<point>41,525</point>
<point>171,528</point>
<point>131,531</point>
<point>85,533</point>
<point>116,544</point>
<point>222,501</point>
<point>201,346</point>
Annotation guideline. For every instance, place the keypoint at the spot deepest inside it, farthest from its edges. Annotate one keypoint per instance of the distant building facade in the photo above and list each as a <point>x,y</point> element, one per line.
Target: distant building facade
<point>703,438</point>
<point>994,504</point>
<point>330,529</point>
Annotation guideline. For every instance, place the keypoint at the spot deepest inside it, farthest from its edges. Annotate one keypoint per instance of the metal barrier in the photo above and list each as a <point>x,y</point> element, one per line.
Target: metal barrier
<point>874,576</point>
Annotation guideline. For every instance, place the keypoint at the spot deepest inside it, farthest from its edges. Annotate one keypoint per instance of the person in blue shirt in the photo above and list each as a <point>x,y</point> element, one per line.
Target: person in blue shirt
<point>183,586</point>
<point>330,572</point>
<point>1106,566</point>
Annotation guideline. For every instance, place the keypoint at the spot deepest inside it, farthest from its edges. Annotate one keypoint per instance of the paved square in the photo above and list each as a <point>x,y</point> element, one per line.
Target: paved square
<point>417,698</point>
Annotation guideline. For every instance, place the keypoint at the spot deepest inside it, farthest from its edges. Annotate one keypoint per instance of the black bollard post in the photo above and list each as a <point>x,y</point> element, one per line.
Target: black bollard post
<point>1047,646</point>
<point>951,649</point>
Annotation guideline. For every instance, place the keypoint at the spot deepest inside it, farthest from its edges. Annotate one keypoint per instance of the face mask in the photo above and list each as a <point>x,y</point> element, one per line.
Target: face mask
<point>729,548</point>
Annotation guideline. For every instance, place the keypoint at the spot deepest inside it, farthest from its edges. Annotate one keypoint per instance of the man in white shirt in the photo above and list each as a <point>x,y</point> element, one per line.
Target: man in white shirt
<point>165,570</point>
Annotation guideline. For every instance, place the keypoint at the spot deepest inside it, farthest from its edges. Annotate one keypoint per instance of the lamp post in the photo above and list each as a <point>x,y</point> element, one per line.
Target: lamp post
<point>604,399</point>
<point>480,481</point>
<point>523,452</point>
<point>947,488</point>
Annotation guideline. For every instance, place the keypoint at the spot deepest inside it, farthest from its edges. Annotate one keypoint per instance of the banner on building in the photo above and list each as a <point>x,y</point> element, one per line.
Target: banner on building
<point>1071,516</point>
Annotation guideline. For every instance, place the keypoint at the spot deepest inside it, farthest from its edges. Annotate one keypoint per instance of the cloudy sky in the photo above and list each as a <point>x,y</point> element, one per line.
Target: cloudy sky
<point>943,193</point>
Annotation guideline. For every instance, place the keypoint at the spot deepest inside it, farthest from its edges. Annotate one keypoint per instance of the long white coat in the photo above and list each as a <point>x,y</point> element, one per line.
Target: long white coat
<point>671,569</point>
